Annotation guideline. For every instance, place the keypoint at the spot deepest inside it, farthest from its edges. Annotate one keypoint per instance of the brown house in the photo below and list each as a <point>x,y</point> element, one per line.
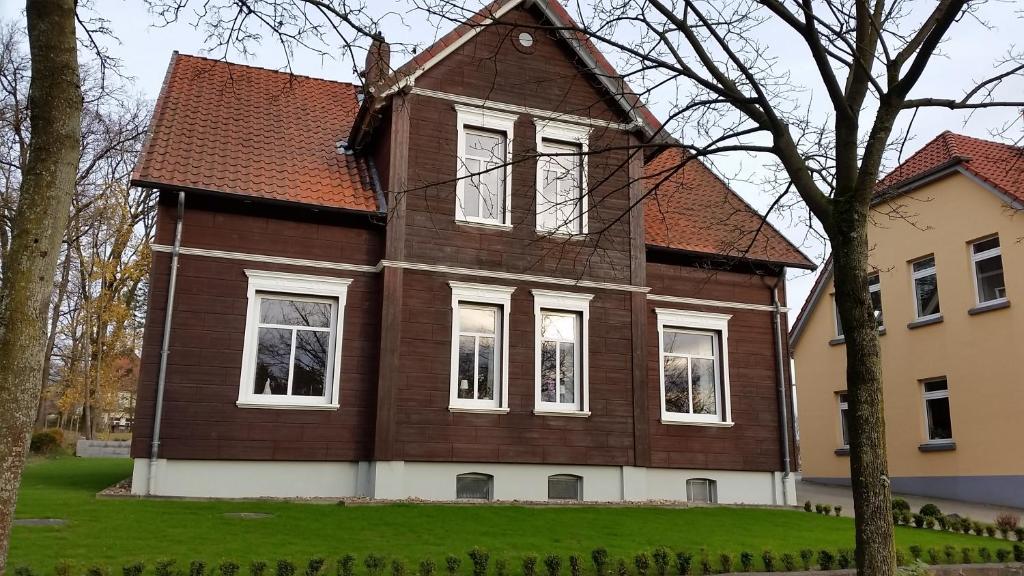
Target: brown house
<point>464,280</point>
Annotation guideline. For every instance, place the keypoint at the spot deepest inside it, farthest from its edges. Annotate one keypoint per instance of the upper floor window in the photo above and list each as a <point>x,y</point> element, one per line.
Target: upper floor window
<point>483,189</point>
<point>479,368</point>
<point>702,490</point>
<point>938,422</point>
<point>988,270</point>
<point>562,177</point>
<point>926,288</point>
<point>694,367</point>
<point>562,333</point>
<point>292,347</point>
<point>844,414</point>
<point>875,292</point>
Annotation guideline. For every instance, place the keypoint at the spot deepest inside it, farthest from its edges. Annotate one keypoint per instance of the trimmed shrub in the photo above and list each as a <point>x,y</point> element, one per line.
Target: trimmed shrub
<point>827,509</point>
<point>747,561</point>
<point>725,561</point>
<point>966,555</point>
<point>915,551</point>
<point>929,522</point>
<point>259,568</point>
<point>844,558</point>
<point>768,559</point>
<point>930,510</point>
<point>942,522</point>
<point>826,560</point>
<point>196,568</point>
<point>480,559</point>
<point>806,557</point>
<point>575,565</point>
<point>661,560</point>
<point>1003,555</point>
<point>900,504</point>
<point>978,528</point>
<point>529,565</point>
<point>949,551</point>
<point>50,441</point>
<point>397,568</point>
<point>500,567</point>
<point>160,567</point>
<point>23,571</point>
<point>705,563</point>
<point>96,570</point>
<point>63,568</point>
<point>347,566</point>
<point>683,561</point>
<point>807,506</point>
<point>819,508</point>
<point>427,567</point>
<point>1019,533</point>
<point>374,564</point>
<point>643,563</point>
<point>985,554</point>
<point>788,562</point>
<point>314,567</point>
<point>933,556</point>
<point>133,569</point>
<point>285,568</point>
<point>600,559</point>
<point>905,517</point>
<point>1018,553</point>
<point>838,510</point>
<point>901,557</point>
<point>228,568</point>
<point>553,564</point>
<point>919,520</point>
<point>452,563</point>
<point>990,531</point>
<point>621,569</point>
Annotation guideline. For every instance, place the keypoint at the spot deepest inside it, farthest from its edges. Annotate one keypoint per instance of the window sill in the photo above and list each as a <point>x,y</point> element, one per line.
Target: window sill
<point>989,306</point>
<point>843,451</point>
<point>925,322</point>
<point>489,225</point>
<point>472,410</point>
<point>568,413</point>
<point>282,406</point>
<point>697,423</point>
<point>572,237</point>
<point>944,446</point>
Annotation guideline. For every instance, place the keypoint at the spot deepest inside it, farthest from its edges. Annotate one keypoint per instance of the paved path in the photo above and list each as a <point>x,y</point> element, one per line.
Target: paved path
<point>828,494</point>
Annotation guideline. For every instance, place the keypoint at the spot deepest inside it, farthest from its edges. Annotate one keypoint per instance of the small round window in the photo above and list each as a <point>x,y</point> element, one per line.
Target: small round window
<point>525,39</point>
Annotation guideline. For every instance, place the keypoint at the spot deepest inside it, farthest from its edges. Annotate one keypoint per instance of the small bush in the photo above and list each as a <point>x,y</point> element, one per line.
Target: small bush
<point>196,568</point>
<point>844,558</point>
<point>480,559</point>
<point>827,509</point>
<point>661,560</point>
<point>942,522</point>
<point>452,563</point>
<point>915,551</point>
<point>705,563</point>
<point>990,531</point>
<point>575,565</point>
<point>621,569</point>
<point>285,568</point>
<point>985,554</point>
<point>228,568</point>
<point>768,558</point>
<point>397,568</point>
<point>314,567</point>
<point>949,551</point>
<point>819,508</point>
<point>427,567</point>
<point>96,570</point>
<point>838,510</point>
<point>725,561</point>
<point>161,568</point>
<point>905,517</point>
<point>978,528</point>
<point>806,557</point>
<point>826,560</point>
<point>600,559</point>
<point>1018,553</point>
<point>133,569</point>
<point>1004,555</point>
<point>501,567</point>
<point>683,561</point>
<point>1018,532</point>
<point>553,564</point>
<point>347,565</point>
<point>258,568</point>
<point>933,556</point>
<point>900,504</point>
<point>953,522</point>
<point>529,565</point>
<point>23,571</point>
<point>374,564</point>
<point>643,563</point>
<point>930,510</point>
<point>788,562</point>
<point>47,442</point>
<point>63,568</point>
<point>901,557</point>
<point>966,555</point>
<point>929,522</point>
<point>747,561</point>
<point>918,520</point>
<point>808,507</point>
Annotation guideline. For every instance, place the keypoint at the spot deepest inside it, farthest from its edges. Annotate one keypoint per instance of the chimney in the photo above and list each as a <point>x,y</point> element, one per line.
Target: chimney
<point>378,61</point>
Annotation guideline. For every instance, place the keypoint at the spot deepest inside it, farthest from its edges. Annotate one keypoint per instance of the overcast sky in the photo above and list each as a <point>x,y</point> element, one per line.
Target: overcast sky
<point>145,51</point>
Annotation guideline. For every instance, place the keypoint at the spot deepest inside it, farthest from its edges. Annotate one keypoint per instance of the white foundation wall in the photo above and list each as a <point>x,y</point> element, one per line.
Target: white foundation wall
<point>435,481</point>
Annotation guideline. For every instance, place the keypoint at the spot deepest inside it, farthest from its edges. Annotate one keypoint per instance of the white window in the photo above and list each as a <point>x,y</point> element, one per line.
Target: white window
<point>844,422</point>
<point>875,293</point>
<point>562,333</point>
<point>694,367</point>
<point>562,177</point>
<point>483,190</point>
<point>988,271</point>
<point>702,490</point>
<point>926,288</point>
<point>565,487</point>
<point>479,368</point>
<point>474,486</point>
<point>292,349</point>
<point>938,421</point>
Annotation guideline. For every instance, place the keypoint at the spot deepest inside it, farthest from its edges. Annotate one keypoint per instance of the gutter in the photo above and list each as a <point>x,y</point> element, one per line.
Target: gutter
<point>161,379</point>
<point>781,377</point>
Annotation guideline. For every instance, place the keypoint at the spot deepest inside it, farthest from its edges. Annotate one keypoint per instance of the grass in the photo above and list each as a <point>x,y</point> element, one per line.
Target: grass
<point>114,532</point>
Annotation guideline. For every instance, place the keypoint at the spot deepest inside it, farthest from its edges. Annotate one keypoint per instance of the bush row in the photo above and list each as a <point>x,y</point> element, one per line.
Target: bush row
<point>932,518</point>
<point>660,562</point>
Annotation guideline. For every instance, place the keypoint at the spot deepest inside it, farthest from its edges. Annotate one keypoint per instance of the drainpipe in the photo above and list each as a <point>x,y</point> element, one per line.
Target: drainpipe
<point>161,379</point>
<point>780,370</point>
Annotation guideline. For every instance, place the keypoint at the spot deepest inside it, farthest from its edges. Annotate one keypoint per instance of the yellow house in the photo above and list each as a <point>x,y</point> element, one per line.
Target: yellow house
<point>947,257</point>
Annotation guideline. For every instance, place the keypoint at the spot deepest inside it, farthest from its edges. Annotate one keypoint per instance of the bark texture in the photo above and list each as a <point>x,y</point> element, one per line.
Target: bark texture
<point>55,100</point>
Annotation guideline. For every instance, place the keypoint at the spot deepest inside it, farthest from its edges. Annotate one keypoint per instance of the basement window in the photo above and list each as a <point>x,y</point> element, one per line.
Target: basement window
<point>474,486</point>
<point>701,491</point>
<point>565,487</point>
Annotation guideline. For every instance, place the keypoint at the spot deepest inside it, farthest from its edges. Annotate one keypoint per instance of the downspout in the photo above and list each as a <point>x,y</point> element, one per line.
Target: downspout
<point>161,379</point>
<point>781,374</point>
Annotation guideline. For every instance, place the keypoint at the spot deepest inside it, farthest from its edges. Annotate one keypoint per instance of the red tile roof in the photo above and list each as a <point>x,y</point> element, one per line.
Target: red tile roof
<point>999,165</point>
<point>237,129</point>
<point>689,208</point>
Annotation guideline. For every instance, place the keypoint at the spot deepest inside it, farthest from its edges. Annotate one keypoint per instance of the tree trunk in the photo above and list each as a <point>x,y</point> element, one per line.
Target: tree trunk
<point>48,183</point>
<point>869,473</point>
<point>51,338</point>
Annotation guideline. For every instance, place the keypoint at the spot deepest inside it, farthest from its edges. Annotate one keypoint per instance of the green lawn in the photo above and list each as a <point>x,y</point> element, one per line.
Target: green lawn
<point>115,532</point>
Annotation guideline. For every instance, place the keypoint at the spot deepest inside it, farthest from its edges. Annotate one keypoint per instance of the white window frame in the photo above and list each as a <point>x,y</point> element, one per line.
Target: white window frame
<point>938,395</point>
<point>844,431</point>
<point>835,317</point>
<point>488,120</point>
<point>299,286</point>
<point>488,295</point>
<point>569,303</point>
<point>574,134</point>
<point>704,322</point>
<point>976,259</point>
<point>914,276</point>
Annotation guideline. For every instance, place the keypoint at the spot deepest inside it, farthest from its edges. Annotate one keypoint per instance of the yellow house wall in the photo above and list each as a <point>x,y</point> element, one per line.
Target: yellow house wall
<point>982,356</point>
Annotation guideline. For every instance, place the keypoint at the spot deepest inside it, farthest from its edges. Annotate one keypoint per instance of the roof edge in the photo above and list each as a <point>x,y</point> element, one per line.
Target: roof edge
<point>140,183</point>
<point>669,249</point>
<point>812,302</point>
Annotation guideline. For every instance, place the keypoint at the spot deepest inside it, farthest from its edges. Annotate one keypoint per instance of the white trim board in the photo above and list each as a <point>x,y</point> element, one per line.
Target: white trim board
<point>515,276</point>
<point>715,303</point>
<point>266,259</point>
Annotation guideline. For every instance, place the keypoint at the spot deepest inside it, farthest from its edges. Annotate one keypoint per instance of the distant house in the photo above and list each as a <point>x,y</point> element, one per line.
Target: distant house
<point>447,286</point>
<point>948,261</point>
